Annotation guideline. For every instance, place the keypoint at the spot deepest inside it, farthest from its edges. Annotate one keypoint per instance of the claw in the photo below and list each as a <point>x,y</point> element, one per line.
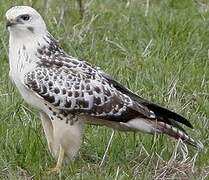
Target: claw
<point>58,166</point>
<point>54,170</point>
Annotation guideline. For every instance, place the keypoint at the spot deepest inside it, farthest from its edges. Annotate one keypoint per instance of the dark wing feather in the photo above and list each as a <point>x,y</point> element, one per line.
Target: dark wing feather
<point>74,87</point>
<point>161,113</point>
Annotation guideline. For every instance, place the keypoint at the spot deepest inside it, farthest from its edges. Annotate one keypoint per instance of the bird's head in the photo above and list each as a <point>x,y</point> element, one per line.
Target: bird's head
<point>23,21</point>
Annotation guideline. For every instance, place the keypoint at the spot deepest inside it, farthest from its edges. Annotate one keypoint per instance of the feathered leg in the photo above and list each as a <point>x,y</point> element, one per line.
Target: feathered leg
<point>48,129</point>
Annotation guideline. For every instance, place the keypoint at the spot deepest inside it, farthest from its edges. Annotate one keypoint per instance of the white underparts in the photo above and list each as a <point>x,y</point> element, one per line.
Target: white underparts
<point>140,124</point>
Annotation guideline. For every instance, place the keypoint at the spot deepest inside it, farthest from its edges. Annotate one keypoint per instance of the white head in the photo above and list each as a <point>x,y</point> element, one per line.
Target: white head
<point>23,21</point>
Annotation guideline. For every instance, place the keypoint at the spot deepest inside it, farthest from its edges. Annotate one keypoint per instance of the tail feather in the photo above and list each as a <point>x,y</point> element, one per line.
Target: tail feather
<point>167,122</point>
<point>155,126</point>
<point>177,134</point>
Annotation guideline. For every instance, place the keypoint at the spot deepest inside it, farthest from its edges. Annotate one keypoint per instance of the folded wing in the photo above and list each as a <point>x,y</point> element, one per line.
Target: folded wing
<point>79,92</point>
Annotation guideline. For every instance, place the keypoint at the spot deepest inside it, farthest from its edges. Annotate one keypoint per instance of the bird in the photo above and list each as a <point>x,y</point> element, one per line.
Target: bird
<point>69,92</point>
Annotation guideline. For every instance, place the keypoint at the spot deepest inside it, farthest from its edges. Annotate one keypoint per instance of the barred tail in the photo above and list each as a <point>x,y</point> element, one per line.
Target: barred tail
<point>178,134</point>
<point>156,126</point>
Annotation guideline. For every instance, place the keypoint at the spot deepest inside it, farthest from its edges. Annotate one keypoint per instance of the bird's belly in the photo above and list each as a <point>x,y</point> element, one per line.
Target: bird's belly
<point>29,96</point>
<point>32,99</point>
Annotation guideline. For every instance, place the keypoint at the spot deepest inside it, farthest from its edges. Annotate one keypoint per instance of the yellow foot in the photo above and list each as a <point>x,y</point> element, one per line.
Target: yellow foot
<point>58,166</point>
<point>54,170</point>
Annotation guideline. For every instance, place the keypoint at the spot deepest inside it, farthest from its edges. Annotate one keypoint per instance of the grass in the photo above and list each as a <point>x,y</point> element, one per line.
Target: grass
<point>160,52</point>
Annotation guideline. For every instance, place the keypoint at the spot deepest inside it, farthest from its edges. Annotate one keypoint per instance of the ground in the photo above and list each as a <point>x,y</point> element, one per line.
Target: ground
<point>157,48</point>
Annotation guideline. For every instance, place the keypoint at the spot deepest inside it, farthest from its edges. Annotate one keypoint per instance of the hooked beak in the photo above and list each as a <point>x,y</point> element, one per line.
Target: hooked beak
<point>10,23</point>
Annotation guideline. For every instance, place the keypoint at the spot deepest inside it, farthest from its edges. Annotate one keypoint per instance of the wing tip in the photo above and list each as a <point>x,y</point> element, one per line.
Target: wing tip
<point>198,145</point>
<point>166,113</point>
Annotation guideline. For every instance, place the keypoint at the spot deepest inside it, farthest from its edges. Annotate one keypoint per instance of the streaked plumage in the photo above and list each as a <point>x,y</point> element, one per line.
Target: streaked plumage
<point>68,91</point>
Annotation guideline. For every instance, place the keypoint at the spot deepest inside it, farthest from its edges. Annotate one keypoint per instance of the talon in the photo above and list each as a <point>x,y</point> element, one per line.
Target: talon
<point>53,170</point>
<point>58,166</point>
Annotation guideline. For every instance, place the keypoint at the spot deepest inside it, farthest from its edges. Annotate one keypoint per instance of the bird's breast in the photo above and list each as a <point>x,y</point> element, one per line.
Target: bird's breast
<point>20,65</point>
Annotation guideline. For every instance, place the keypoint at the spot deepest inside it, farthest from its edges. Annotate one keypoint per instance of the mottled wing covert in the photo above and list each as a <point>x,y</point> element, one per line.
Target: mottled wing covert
<point>80,90</point>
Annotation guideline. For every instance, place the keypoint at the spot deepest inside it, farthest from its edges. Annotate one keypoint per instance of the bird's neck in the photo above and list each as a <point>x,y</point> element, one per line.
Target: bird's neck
<point>23,52</point>
<point>24,55</point>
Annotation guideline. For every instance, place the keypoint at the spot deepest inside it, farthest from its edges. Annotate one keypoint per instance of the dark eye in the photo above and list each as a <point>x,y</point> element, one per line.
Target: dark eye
<point>25,17</point>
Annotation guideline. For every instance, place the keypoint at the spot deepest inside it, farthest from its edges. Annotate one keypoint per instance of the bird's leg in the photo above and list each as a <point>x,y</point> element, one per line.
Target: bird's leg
<point>59,161</point>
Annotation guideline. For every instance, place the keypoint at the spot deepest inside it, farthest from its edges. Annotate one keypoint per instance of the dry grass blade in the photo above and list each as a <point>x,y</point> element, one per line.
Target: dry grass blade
<point>176,168</point>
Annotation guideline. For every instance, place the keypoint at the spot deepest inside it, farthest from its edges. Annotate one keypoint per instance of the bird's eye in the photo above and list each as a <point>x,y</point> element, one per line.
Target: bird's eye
<point>25,17</point>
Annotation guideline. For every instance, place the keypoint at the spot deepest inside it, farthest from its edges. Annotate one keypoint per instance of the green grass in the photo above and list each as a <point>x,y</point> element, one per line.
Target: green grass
<point>162,56</point>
